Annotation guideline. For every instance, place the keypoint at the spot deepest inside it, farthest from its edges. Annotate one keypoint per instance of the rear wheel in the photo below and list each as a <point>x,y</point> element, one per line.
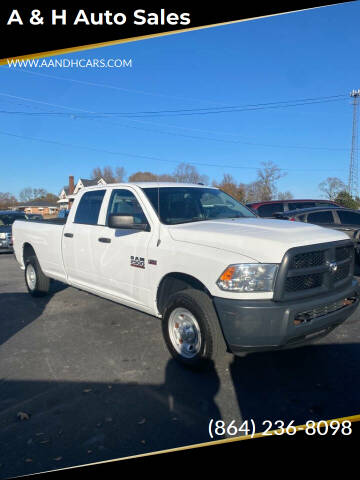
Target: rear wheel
<point>37,283</point>
<point>191,329</point>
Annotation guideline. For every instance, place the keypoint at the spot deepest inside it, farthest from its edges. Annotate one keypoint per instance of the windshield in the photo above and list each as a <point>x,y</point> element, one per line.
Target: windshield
<point>9,219</point>
<point>192,204</point>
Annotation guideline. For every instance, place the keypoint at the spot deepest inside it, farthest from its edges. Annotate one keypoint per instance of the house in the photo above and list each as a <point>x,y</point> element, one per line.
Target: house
<point>42,207</point>
<point>68,194</point>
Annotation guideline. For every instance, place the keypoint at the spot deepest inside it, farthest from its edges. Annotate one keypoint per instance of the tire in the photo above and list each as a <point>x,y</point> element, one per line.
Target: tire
<point>37,283</point>
<point>191,329</point>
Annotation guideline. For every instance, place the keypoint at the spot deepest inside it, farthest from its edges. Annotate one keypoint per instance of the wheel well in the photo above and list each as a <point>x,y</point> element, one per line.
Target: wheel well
<point>28,251</point>
<point>173,283</point>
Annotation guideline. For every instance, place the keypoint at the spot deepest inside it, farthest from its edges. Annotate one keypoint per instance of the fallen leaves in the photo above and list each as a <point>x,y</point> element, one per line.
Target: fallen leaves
<point>23,416</point>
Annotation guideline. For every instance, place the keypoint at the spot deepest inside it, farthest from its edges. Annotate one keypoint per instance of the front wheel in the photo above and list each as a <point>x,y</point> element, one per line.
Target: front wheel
<point>37,283</point>
<point>191,329</point>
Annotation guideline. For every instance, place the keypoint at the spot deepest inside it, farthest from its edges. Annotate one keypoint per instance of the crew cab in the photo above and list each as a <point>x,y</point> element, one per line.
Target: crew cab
<point>219,277</point>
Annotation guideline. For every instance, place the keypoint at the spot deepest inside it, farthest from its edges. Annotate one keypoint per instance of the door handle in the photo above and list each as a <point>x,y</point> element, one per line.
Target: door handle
<point>68,235</point>
<point>104,240</point>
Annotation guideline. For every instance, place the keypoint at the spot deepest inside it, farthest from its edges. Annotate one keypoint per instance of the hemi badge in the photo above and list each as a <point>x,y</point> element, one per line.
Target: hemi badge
<point>152,262</point>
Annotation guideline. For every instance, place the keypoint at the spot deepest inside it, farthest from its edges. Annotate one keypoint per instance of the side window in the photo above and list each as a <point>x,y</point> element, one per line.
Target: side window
<point>89,206</point>
<point>298,205</point>
<point>349,217</point>
<point>124,202</point>
<point>270,209</point>
<point>320,217</point>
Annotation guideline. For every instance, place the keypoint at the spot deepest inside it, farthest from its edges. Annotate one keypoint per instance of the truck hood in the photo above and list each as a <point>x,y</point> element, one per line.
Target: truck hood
<point>262,240</point>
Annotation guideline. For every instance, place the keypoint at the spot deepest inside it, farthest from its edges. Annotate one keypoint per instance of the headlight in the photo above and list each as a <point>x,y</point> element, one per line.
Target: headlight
<point>2,236</point>
<point>248,277</point>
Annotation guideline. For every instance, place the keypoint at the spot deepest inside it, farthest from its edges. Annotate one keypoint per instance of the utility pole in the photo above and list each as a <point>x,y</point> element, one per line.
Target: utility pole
<point>353,185</point>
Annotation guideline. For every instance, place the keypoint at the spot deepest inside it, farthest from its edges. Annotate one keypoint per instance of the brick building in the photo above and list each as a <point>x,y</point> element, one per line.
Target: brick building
<point>42,207</point>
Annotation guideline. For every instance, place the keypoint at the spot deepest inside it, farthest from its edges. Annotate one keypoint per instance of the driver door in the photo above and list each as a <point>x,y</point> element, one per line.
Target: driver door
<point>121,254</point>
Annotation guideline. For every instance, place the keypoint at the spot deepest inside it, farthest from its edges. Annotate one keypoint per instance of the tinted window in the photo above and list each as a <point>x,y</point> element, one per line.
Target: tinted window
<point>89,207</point>
<point>9,219</point>
<point>192,204</point>
<point>123,202</point>
<point>269,210</point>
<point>298,205</point>
<point>320,217</point>
<point>323,204</point>
<point>349,217</point>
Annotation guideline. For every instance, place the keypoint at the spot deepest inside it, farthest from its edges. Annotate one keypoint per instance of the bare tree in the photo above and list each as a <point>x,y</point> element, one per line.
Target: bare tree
<point>265,184</point>
<point>230,186</point>
<point>285,195</point>
<point>27,194</point>
<point>143,177</point>
<point>108,174</point>
<point>187,173</point>
<point>7,200</point>
<point>120,174</point>
<point>331,187</point>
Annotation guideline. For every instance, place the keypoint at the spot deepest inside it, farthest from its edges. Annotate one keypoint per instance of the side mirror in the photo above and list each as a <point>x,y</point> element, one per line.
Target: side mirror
<point>126,222</point>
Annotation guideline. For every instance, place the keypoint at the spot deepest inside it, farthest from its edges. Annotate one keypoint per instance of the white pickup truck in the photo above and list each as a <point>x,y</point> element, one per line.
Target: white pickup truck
<point>219,277</point>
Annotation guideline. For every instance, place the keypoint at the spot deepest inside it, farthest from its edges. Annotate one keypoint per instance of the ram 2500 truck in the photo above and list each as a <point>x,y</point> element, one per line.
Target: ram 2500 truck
<point>219,277</point>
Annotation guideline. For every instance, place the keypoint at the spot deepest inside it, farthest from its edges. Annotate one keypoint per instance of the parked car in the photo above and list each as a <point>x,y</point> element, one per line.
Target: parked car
<point>7,218</point>
<point>270,208</point>
<point>344,219</point>
<point>219,277</point>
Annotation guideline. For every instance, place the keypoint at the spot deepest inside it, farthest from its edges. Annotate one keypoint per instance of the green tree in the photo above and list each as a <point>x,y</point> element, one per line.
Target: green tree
<point>346,200</point>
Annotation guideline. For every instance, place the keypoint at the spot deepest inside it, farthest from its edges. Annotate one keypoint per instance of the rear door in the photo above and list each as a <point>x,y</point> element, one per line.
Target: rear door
<point>80,236</point>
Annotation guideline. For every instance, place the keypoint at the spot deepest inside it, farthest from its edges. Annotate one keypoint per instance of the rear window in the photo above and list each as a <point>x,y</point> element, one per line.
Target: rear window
<point>320,217</point>
<point>349,217</point>
<point>298,205</point>
<point>270,209</point>
<point>89,207</point>
<point>9,219</point>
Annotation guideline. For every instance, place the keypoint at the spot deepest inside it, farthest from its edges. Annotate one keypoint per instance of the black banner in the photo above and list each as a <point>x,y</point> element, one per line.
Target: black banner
<point>27,31</point>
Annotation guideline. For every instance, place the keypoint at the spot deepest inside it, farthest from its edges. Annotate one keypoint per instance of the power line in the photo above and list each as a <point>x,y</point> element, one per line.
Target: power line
<point>214,110</point>
<point>148,157</point>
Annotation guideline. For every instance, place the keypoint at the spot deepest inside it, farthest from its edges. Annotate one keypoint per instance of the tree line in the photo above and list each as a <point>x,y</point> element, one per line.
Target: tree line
<point>263,188</point>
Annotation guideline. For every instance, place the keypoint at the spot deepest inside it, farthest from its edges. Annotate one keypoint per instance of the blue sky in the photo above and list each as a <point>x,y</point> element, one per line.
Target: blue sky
<point>294,56</point>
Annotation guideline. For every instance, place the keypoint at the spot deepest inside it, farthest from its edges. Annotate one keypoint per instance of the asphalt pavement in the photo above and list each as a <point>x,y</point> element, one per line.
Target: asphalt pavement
<point>83,379</point>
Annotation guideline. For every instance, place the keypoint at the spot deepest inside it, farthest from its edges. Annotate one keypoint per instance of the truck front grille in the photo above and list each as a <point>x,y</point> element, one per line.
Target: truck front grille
<point>315,269</point>
<point>303,282</point>
<point>311,259</point>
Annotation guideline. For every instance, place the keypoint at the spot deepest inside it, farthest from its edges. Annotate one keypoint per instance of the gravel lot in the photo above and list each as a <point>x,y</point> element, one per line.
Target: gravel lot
<point>93,380</point>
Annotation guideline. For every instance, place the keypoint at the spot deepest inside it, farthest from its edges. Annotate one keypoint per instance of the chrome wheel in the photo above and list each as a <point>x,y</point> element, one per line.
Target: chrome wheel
<point>184,332</point>
<point>31,276</point>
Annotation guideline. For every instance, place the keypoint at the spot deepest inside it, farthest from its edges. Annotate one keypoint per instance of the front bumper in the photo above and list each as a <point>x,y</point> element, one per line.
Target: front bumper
<point>261,325</point>
<point>6,246</point>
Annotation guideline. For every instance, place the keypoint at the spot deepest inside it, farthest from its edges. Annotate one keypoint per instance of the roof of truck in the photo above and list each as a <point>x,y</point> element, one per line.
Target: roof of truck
<point>152,185</point>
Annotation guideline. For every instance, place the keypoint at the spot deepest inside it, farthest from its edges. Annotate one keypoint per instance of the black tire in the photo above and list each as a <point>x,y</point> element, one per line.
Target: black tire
<point>211,344</point>
<point>41,284</point>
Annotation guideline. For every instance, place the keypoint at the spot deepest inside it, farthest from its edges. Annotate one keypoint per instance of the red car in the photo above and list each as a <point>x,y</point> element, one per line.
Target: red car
<point>270,208</point>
